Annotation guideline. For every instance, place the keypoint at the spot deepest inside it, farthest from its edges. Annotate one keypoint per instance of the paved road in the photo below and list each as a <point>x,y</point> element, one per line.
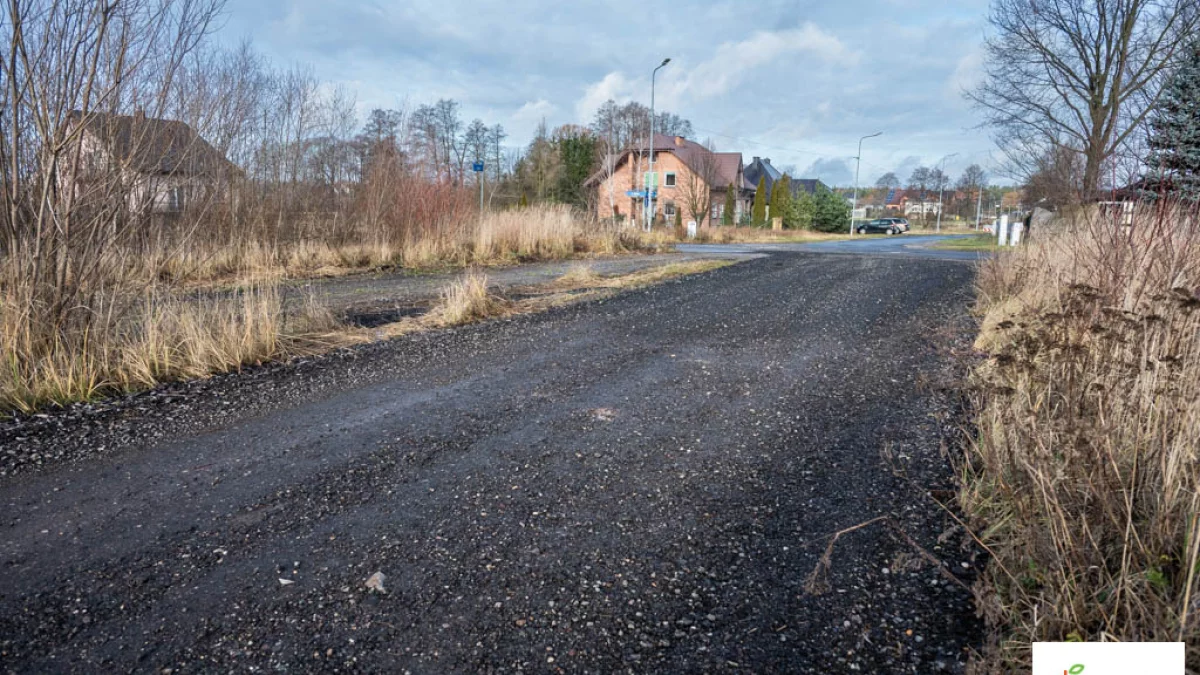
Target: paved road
<point>906,246</point>
<point>641,484</point>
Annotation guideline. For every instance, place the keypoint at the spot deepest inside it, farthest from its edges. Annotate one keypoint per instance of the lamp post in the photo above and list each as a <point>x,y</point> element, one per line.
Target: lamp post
<point>857,166</point>
<point>979,208</point>
<point>650,187</point>
<point>942,188</point>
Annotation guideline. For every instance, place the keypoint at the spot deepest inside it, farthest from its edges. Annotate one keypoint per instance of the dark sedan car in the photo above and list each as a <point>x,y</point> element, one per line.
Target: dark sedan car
<point>880,225</point>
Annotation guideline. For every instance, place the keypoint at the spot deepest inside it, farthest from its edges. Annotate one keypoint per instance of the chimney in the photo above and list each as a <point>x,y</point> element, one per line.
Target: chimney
<point>679,141</point>
<point>755,160</point>
<point>766,160</point>
<point>139,115</point>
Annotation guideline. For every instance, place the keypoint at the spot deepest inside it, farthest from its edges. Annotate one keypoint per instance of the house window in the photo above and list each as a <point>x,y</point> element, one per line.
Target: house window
<point>669,180</point>
<point>669,209</point>
<point>175,199</point>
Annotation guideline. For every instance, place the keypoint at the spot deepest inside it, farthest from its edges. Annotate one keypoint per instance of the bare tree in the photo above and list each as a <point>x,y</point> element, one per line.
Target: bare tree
<point>68,64</point>
<point>703,174</point>
<point>475,143</point>
<point>1056,179</point>
<point>972,182</point>
<point>920,181</point>
<point>1077,76</point>
<point>496,136</point>
<point>624,125</point>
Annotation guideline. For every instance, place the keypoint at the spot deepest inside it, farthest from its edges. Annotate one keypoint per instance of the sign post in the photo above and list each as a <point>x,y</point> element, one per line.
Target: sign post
<point>477,167</point>
<point>651,193</point>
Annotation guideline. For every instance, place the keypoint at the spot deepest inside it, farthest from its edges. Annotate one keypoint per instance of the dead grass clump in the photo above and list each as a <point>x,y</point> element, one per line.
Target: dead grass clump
<point>1084,482</point>
<point>132,342</point>
<point>580,274</point>
<point>467,300</point>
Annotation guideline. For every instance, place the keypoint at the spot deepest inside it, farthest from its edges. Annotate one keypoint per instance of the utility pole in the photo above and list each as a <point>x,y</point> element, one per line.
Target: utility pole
<point>979,209</point>
<point>942,188</point>
<point>857,165</point>
<point>652,183</point>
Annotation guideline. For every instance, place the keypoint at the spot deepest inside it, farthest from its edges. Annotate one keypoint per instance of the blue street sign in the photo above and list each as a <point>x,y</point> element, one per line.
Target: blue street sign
<point>478,167</point>
<point>640,194</point>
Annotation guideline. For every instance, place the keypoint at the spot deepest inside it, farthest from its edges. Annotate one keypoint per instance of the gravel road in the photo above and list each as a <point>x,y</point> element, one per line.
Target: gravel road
<point>905,246</point>
<point>641,484</point>
<point>370,292</point>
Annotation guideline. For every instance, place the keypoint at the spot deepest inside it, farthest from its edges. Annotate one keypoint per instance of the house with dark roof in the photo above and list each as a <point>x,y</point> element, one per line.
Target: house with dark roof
<point>762,167</point>
<point>808,186</point>
<point>164,163</point>
<point>691,179</point>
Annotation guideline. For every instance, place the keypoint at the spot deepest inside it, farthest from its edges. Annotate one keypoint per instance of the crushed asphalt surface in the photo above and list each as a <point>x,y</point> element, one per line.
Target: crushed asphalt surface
<point>641,484</point>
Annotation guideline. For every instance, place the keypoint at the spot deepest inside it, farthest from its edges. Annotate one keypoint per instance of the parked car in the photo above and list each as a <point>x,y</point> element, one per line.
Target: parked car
<point>880,225</point>
<point>901,222</point>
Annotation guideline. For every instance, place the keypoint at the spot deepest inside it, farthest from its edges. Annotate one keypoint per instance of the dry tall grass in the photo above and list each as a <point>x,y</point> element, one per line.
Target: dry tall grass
<point>502,237</point>
<point>134,341</point>
<point>132,327</point>
<point>466,300</point>
<point>1084,484</point>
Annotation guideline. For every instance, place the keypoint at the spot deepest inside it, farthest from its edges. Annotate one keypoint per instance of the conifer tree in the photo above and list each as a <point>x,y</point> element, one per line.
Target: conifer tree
<point>730,207</point>
<point>759,213</point>
<point>781,198</point>
<point>678,220</point>
<point>801,213</point>
<point>832,213</point>
<point>1175,131</point>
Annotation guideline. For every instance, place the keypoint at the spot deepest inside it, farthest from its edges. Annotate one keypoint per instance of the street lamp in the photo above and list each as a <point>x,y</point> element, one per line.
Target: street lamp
<point>649,187</point>
<point>942,188</point>
<point>857,165</point>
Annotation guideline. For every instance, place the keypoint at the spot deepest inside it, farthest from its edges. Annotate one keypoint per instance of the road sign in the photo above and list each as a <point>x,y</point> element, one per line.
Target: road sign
<point>478,167</point>
<point>641,194</point>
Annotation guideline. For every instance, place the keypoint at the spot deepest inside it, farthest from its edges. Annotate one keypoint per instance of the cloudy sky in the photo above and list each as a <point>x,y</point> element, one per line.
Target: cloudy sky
<point>798,81</point>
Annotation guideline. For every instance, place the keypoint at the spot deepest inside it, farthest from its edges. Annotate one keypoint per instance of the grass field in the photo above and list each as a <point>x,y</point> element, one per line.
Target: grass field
<point>975,242</point>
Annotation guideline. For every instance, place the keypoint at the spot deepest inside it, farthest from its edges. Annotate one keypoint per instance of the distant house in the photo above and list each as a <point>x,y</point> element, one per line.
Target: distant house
<point>163,164</point>
<point>761,168</point>
<point>809,186</point>
<point>913,202</point>
<point>688,176</point>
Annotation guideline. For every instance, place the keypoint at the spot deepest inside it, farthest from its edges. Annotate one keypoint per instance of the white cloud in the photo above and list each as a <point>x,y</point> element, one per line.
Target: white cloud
<point>614,86</point>
<point>733,62</point>
<point>526,119</point>
<point>729,65</point>
<point>967,74</point>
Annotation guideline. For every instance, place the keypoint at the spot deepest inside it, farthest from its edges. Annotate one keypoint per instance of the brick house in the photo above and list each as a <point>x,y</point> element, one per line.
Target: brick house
<point>690,178</point>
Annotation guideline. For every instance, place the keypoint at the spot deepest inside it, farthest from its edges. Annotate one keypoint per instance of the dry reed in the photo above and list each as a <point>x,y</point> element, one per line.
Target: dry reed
<point>134,327</point>
<point>1084,482</point>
